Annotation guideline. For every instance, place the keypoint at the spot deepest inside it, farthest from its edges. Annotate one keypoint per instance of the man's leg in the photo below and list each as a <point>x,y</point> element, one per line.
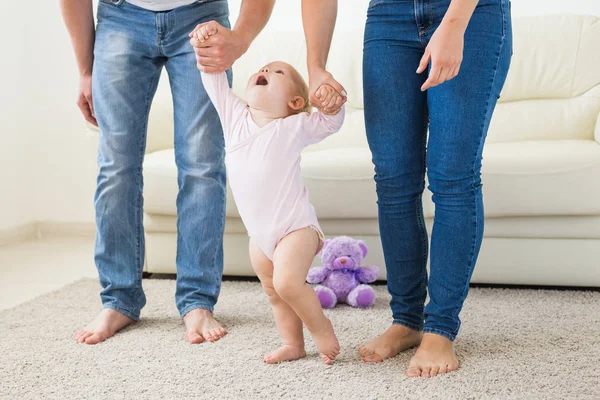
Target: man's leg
<point>200,155</point>
<point>125,74</point>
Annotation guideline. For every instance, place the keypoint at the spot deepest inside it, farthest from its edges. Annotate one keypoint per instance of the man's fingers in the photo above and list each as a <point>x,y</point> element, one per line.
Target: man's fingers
<point>209,70</point>
<point>86,111</point>
<point>424,61</point>
<point>205,61</point>
<point>90,103</point>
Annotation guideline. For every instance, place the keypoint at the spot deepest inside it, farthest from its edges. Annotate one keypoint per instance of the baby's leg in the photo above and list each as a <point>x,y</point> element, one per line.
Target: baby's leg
<point>288,324</point>
<point>292,259</point>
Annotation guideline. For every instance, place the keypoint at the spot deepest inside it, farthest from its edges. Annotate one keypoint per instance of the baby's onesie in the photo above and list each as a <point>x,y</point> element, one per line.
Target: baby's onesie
<point>263,164</point>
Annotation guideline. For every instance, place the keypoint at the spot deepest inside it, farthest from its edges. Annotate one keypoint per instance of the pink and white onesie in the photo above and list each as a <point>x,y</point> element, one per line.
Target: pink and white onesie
<point>263,164</point>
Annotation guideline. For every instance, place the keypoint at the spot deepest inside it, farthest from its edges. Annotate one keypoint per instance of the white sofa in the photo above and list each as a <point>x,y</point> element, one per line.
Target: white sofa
<point>541,167</point>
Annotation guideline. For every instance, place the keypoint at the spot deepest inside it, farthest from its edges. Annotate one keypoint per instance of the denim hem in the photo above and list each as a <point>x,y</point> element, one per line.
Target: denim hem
<point>447,335</point>
<point>124,311</point>
<point>408,325</point>
<point>195,306</point>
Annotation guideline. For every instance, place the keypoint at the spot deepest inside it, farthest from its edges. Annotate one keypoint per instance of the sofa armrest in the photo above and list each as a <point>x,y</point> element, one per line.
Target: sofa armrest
<point>597,130</point>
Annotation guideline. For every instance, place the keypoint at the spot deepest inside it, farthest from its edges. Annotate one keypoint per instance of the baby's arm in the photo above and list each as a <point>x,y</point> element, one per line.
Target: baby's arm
<point>227,104</point>
<point>317,126</point>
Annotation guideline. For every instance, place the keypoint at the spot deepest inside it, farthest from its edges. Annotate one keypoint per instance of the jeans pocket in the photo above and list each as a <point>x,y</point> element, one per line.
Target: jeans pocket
<point>373,3</point>
<point>112,2</point>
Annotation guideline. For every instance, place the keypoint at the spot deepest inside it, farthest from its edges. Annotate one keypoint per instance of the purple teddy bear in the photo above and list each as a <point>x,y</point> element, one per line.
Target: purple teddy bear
<point>342,279</point>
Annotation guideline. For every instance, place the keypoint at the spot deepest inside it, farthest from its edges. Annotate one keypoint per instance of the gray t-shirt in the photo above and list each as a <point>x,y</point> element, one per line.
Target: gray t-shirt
<point>160,5</point>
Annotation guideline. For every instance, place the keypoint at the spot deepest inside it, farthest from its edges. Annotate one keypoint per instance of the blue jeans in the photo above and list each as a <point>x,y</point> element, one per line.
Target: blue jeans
<point>457,113</point>
<point>132,46</point>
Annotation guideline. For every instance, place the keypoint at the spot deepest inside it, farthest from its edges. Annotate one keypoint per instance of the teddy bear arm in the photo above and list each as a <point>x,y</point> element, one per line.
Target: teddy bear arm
<point>317,274</point>
<point>368,274</point>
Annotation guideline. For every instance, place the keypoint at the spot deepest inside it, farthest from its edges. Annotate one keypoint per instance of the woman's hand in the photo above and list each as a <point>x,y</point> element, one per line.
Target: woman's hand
<point>445,51</point>
<point>328,101</point>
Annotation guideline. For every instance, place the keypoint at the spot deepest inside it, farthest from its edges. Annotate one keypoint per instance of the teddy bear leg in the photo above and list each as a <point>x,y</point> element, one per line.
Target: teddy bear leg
<point>326,296</point>
<point>361,296</point>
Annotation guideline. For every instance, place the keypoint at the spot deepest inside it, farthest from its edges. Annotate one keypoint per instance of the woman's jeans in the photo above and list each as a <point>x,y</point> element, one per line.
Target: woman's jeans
<point>457,113</point>
<point>132,46</point>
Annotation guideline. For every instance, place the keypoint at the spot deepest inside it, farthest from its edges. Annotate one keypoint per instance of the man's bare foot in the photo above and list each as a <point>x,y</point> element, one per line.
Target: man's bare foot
<point>395,339</point>
<point>434,356</point>
<point>105,325</point>
<point>200,325</point>
<point>327,342</point>
<point>285,353</point>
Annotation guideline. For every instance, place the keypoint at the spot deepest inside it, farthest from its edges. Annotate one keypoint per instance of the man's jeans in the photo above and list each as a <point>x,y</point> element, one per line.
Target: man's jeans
<point>457,113</point>
<point>132,46</point>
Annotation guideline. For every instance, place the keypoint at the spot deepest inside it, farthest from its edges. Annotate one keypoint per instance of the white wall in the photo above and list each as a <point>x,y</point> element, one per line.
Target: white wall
<point>16,153</point>
<point>47,157</point>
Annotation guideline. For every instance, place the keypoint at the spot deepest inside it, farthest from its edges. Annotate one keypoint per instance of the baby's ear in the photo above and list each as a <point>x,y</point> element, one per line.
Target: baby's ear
<point>297,103</point>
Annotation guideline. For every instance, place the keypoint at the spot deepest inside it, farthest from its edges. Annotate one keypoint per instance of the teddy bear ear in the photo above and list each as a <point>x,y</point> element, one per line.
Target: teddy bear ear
<point>363,247</point>
<point>325,243</point>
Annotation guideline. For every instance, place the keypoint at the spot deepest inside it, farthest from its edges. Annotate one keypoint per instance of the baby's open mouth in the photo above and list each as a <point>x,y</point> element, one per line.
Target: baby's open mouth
<point>261,81</point>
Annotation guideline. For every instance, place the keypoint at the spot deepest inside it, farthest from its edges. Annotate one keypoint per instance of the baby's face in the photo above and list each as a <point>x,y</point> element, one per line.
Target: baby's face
<point>272,88</point>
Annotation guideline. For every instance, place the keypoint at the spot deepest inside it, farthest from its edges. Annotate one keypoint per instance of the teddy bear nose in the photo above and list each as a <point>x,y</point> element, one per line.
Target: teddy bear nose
<point>343,261</point>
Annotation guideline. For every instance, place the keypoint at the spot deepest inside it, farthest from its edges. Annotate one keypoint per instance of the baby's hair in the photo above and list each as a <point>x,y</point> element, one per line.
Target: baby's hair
<point>302,90</point>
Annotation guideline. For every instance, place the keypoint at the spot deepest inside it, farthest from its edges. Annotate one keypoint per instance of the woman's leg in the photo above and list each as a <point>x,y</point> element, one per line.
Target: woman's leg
<point>288,324</point>
<point>396,123</point>
<point>460,113</point>
<point>292,259</point>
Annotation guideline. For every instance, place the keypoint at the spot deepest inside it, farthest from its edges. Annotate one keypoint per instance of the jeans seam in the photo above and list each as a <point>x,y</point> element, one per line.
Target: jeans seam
<point>450,336</point>
<point>196,305</point>
<point>139,178</point>
<point>133,315</point>
<point>481,136</point>
<point>407,324</point>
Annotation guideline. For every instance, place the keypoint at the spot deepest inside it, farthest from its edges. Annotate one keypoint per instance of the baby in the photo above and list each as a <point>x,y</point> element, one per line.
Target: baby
<point>264,137</point>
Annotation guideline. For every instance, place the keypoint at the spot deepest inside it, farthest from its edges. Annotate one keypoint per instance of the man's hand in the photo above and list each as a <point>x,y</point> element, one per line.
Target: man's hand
<point>84,101</point>
<point>321,97</point>
<point>216,47</point>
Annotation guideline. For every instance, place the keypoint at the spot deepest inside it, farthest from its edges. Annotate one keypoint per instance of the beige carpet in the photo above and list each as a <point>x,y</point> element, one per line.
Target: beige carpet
<point>515,344</point>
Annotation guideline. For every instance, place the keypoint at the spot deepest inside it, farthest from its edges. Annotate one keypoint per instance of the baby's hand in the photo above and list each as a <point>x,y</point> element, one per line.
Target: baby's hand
<point>202,32</point>
<point>331,100</point>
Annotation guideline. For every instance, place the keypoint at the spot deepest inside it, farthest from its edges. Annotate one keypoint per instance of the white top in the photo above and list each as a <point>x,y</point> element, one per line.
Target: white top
<point>263,164</point>
<point>160,5</point>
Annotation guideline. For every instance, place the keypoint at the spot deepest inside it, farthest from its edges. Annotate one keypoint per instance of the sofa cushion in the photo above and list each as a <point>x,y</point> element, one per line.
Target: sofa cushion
<point>520,179</point>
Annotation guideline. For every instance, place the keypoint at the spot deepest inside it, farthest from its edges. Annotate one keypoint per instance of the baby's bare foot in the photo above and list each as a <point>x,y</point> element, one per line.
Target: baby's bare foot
<point>285,353</point>
<point>327,342</point>
<point>434,356</point>
<point>200,325</point>
<point>105,325</point>
<point>395,339</point>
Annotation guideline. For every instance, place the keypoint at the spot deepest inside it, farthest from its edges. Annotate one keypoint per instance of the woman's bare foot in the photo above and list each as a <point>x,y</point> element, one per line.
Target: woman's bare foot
<point>395,339</point>
<point>434,356</point>
<point>327,342</point>
<point>105,325</point>
<point>200,325</point>
<point>285,353</point>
